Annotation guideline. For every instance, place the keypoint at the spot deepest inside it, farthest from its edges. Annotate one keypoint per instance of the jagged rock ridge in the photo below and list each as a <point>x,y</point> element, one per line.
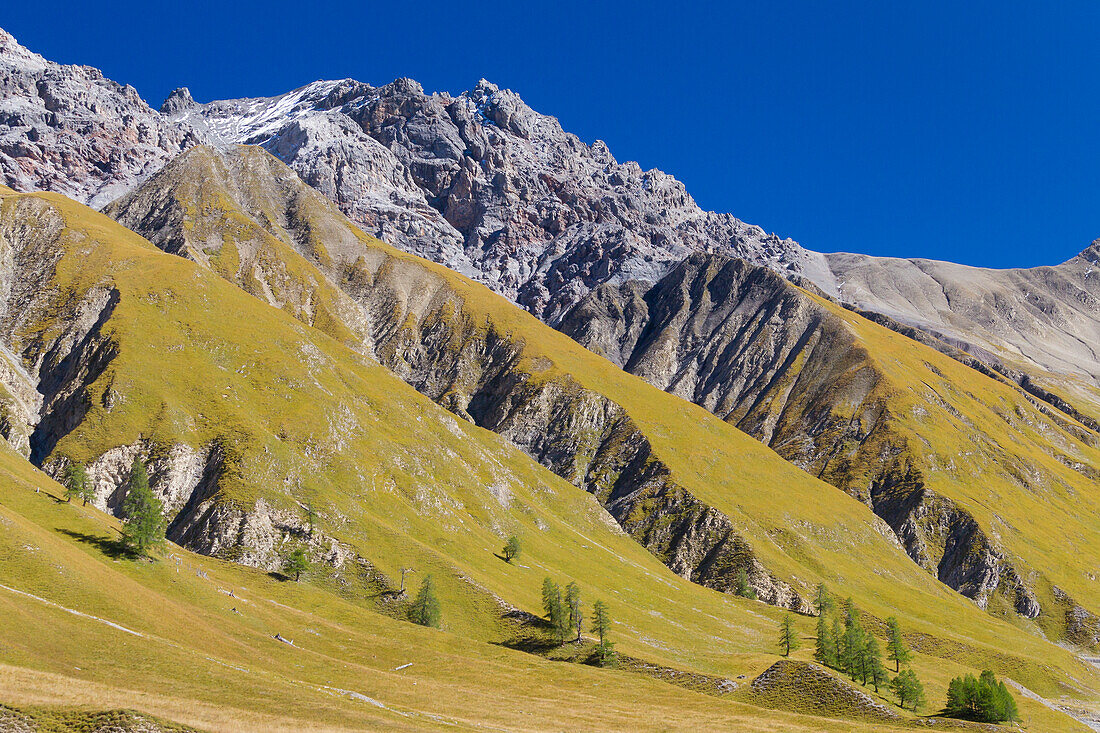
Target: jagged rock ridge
<point>411,320</point>
<point>487,186</point>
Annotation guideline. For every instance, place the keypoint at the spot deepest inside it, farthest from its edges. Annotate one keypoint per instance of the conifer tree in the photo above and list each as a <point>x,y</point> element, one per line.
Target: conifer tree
<point>837,632</point>
<point>573,608</point>
<point>555,612</point>
<point>143,524</point>
<point>511,549</point>
<point>297,562</point>
<point>601,624</point>
<point>742,587</point>
<point>897,651</point>
<point>77,485</point>
<point>909,690</point>
<point>788,636</point>
<point>601,620</point>
<point>425,608</point>
<point>825,645</point>
<point>852,647</point>
<point>823,600</point>
<point>876,671</point>
<point>310,516</point>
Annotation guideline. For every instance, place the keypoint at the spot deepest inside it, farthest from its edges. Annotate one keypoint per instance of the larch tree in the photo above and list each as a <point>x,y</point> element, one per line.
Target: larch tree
<point>554,610</point>
<point>742,587</point>
<point>823,600</point>
<point>825,644</point>
<point>296,563</point>
<point>788,635</point>
<point>876,670</point>
<point>573,608</point>
<point>76,483</point>
<point>896,650</point>
<point>601,624</point>
<point>143,521</point>
<point>511,549</point>
<point>425,608</point>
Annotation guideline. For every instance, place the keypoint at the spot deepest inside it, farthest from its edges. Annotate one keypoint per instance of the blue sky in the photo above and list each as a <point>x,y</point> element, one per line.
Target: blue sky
<point>961,131</point>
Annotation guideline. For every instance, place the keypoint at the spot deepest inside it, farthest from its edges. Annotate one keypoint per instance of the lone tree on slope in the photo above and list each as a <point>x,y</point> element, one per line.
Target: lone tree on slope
<point>742,587</point>
<point>297,562</point>
<point>143,526</point>
<point>77,485</point>
<point>788,636</point>
<point>425,608</point>
<point>310,516</point>
<point>511,549</point>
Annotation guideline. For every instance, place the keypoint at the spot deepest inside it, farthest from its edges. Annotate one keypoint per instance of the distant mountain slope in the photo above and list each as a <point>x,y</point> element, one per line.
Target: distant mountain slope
<point>474,353</point>
<point>1044,321</point>
<point>245,414</point>
<point>487,186</point>
<point>979,480</point>
<point>700,495</point>
<point>192,639</point>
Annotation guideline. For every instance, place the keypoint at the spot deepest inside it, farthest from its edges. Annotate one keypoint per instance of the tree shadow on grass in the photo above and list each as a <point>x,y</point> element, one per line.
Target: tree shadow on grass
<point>530,644</point>
<point>113,548</point>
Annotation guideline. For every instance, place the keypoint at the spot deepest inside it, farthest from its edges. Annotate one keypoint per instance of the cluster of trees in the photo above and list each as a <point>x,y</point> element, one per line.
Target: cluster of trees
<point>984,699</point>
<point>844,645</point>
<point>566,617</point>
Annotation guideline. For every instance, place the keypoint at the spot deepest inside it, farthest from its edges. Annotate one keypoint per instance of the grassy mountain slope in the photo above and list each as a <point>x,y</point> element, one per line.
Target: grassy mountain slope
<point>167,638</point>
<point>487,360</point>
<point>977,477</point>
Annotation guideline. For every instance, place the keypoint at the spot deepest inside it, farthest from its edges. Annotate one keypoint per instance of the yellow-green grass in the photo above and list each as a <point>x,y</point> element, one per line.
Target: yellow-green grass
<point>198,662</point>
<point>1028,478</point>
<point>724,470</point>
<point>403,482</point>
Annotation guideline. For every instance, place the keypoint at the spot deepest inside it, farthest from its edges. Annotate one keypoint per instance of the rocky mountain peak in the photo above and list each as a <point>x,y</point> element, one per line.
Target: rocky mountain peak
<point>178,101</point>
<point>69,129</point>
<point>15,56</point>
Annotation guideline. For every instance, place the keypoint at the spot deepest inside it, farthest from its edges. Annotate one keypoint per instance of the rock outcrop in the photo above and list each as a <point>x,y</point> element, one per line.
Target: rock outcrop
<point>788,368</point>
<point>70,129</point>
<point>411,319</point>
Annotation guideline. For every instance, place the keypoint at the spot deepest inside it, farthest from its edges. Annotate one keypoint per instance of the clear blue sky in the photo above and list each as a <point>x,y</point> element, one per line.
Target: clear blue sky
<point>963,131</point>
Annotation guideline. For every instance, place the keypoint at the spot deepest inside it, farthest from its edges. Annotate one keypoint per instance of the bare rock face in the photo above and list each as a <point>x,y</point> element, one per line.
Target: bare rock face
<point>489,187</point>
<point>404,313</point>
<point>69,129</point>
<point>1044,317</point>
<point>485,185</point>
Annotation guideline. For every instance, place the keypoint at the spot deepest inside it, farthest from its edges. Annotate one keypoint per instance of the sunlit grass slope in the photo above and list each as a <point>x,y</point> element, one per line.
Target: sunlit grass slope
<point>402,483</point>
<point>1028,476</point>
<point>191,639</point>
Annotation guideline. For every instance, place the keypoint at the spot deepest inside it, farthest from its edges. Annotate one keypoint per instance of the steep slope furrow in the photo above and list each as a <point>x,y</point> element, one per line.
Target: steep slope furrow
<point>410,318</point>
<point>748,346</point>
<point>583,437</point>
